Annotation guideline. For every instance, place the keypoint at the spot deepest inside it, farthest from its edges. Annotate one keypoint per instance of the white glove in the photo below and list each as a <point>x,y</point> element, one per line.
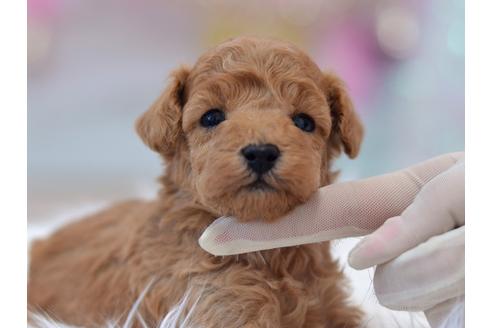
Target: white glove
<point>415,204</point>
<point>425,247</point>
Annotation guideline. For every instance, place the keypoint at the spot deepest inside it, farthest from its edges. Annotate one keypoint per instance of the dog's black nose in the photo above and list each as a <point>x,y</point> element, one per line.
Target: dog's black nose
<point>260,158</point>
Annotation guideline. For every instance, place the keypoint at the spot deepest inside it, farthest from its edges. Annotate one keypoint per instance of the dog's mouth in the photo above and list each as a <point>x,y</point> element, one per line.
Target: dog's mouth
<point>259,185</point>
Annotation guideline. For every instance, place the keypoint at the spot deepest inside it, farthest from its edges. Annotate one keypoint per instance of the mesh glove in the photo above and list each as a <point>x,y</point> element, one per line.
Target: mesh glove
<point>413,216</point>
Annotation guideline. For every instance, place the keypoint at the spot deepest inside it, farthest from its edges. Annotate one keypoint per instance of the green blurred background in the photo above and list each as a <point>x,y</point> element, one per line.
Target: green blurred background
<point>95,65</point>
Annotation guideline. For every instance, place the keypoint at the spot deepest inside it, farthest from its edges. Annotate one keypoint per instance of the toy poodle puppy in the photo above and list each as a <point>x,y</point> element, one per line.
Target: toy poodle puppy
<point>250,131</point>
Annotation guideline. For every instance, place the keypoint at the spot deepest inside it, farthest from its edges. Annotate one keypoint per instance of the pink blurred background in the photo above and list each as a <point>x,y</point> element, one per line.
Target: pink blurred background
<point>95,65</point>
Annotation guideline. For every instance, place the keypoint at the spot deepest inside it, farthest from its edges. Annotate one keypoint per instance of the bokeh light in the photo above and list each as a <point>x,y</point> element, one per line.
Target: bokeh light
<point>398,31</point>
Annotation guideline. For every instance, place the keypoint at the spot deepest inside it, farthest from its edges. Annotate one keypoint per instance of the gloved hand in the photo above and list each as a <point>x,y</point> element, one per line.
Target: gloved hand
<point>420,257</point>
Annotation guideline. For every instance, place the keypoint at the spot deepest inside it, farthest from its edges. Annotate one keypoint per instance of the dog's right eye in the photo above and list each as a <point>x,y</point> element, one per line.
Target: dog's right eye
<point>212,118</point>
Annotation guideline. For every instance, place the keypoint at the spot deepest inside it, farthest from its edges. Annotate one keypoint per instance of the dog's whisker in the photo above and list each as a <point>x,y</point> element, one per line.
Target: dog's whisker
<point>261,256</point>
<point>134,310</point>
<point>141,320</point>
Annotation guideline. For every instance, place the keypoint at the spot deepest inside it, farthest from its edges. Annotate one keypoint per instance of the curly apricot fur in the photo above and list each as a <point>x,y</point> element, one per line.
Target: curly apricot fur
<point>93,270</point>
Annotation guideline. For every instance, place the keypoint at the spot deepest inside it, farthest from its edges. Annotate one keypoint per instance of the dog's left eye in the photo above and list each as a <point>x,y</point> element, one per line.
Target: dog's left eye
<point>304,122</point>
<point>212,118</point>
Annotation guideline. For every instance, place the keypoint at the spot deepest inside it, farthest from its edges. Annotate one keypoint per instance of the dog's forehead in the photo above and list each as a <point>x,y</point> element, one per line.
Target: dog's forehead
<point>268,59</point>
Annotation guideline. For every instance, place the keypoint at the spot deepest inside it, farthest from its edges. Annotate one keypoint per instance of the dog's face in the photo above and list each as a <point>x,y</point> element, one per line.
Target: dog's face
<point>251,129</point>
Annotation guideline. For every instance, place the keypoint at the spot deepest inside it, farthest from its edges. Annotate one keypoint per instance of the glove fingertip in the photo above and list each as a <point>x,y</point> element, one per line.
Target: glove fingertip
<point>206,242</point>
<point>356,261</point>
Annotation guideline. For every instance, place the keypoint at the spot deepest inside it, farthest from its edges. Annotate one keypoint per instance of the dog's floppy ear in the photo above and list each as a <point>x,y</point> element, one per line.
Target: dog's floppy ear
<point>347,130</point>
<point>160,126</point>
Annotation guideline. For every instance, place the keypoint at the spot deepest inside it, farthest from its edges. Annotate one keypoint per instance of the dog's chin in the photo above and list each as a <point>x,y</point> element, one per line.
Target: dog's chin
<point>233,191</point>
<point>256,200</point>
<point>258,185</point>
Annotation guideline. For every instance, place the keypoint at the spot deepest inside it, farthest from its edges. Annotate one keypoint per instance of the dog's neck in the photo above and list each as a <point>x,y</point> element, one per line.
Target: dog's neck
<point>180,208</point>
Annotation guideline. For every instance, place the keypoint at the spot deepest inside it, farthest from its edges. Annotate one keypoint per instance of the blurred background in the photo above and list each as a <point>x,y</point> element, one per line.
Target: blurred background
<point>95,65</point>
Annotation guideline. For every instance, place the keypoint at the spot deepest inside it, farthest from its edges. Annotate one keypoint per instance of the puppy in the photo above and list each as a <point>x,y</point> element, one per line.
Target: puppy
<point>250,131</point>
